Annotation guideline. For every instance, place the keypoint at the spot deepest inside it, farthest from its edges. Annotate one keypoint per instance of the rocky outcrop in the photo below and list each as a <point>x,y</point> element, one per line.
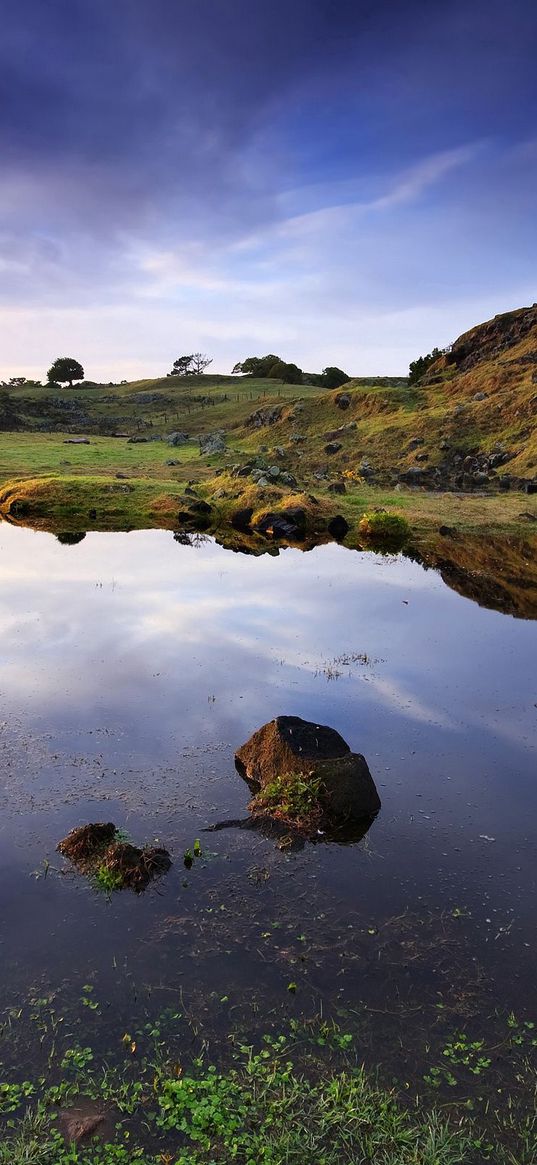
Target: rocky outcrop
<point>489,340</point>
<point>304,775</point>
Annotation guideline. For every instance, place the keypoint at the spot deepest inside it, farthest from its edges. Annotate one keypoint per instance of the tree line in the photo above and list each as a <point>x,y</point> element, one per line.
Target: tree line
<point>67,370</point>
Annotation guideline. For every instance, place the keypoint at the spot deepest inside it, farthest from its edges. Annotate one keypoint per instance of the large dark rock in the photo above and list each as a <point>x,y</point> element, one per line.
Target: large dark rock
<point>338,527</point>
<point>344,788</point>
<point>288,524</point>
<point>196,514</point>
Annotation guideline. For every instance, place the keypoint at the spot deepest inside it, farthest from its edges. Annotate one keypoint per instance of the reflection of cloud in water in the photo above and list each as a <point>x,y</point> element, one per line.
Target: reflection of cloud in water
<point>142,632</point>
<point>395,695</point>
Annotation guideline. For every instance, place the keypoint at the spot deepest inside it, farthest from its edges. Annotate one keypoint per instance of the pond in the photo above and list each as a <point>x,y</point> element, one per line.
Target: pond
<point>133,666</point>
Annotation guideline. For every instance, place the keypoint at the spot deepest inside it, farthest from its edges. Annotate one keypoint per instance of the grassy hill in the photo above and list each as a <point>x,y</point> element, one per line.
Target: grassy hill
<point>436,451</point>
<point>470,422</point>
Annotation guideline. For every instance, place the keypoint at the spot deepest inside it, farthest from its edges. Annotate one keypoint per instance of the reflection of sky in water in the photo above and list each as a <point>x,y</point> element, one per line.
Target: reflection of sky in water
<point>131,667</point>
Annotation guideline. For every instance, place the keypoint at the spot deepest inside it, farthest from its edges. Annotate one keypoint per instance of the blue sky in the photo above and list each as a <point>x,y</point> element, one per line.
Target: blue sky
<point>337,181</point>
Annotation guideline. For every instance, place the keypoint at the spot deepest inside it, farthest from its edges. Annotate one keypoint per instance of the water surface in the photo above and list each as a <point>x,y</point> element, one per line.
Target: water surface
<point>131,669</point>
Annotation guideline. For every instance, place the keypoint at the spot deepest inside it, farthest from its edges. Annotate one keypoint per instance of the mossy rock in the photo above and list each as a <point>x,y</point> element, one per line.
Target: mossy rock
<point>380,525</point>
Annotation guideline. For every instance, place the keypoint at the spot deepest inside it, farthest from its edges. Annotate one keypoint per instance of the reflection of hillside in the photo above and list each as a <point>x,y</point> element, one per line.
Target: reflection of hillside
<point>496,571</point>
<point>499,572</point>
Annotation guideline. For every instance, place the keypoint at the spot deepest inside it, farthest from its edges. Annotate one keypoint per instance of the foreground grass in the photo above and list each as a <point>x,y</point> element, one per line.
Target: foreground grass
<point>261,1111</point>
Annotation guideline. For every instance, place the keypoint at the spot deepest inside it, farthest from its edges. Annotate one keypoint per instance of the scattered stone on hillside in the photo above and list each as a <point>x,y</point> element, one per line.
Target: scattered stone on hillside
<point>422,456</point>
<point>99,851</point>
<point>121,475</point>
<point>177,438</point>
<point>334,786</point>
<point>337,487</point>
<point>333,447</point>
<point>446,531</point>
<point>414,475</point>
<point>444,445</point>
<point>479,396</point>
<point>265,416</point>
<point>213,442</point>
<point>263,481</point>
<point>288,479</point>
<point>279,451</point>
<point>172,461</point>
<point>273,471</point>
<point>136,440</point>
<point>343,400</point>
<point>338,527</point>
<point>415,443</point>
<point>148,398</point>
<point>243,470</point>
<point>77,441</point>
<point>298,438</point>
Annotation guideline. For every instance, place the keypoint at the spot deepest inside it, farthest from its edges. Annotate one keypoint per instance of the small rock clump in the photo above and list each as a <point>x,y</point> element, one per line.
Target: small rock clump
<point>98,850</point>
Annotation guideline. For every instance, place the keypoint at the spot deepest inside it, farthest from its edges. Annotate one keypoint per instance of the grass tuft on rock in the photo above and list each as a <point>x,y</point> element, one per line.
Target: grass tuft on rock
<point>294,799</point>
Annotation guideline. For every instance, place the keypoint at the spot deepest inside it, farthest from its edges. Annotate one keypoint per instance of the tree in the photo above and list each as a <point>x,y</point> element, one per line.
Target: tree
<point>193,365</point>
<point>333,377</point>
<point>289,373</point>
<point>257,366</point>
<point>199,363</point>
<point>181,366</point>
<point>419,367</point>
<point>65,369</point>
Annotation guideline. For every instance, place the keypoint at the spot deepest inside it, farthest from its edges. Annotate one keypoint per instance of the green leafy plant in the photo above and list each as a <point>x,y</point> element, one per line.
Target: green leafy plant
<point>293,798</point>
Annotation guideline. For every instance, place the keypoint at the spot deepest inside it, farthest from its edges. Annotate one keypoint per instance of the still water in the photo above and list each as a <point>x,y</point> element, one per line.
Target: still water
<point>131,669</point>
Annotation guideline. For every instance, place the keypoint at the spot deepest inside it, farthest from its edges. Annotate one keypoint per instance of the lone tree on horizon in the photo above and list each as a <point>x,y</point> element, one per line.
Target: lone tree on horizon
<point>64,370</point>
<point>193,365</point>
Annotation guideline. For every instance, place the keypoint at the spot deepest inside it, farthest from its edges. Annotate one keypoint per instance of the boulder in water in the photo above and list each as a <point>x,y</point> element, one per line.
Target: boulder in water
<point>304,775</point>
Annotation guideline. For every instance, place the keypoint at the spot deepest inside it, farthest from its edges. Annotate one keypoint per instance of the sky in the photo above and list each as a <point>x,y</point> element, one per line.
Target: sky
<point>340,182</point>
